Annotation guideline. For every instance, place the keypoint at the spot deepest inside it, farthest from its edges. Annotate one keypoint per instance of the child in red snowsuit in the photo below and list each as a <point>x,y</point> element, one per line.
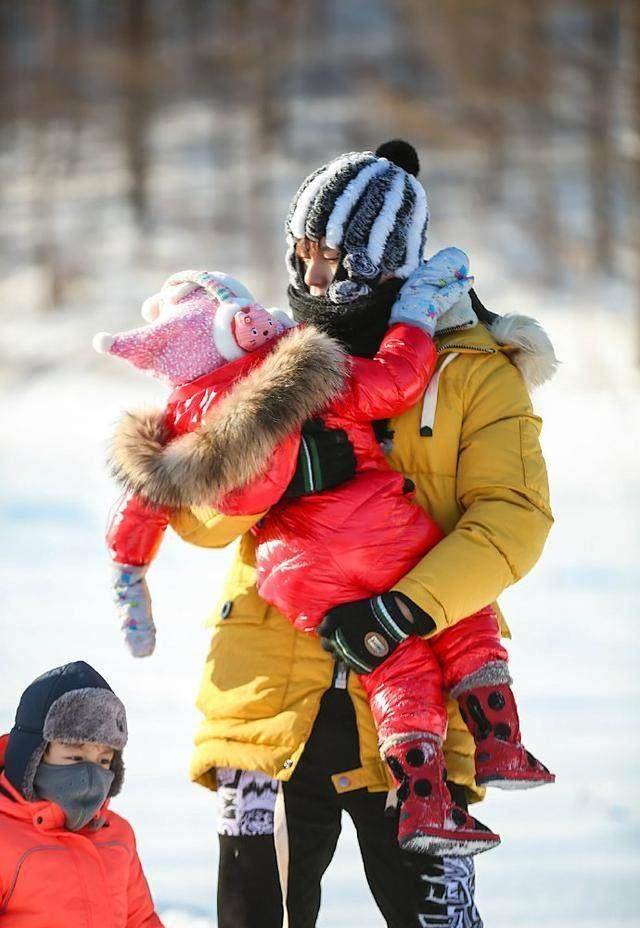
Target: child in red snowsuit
<point>232,436</point>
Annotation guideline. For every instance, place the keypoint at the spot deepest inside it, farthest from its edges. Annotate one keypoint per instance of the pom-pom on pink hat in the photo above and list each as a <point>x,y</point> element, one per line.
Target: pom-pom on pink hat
<point>191,327</point>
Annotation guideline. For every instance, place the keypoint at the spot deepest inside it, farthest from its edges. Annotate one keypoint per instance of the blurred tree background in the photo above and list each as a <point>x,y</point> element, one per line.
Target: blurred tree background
<point>143,136</point>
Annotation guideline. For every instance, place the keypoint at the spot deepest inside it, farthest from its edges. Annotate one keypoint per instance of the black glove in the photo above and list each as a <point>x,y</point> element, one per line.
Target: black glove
<point>326,460</point>
<point>364,633</point>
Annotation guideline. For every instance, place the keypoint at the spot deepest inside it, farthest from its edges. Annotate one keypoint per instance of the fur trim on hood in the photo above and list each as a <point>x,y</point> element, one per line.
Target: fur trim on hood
<point>531,348</point>
<point>87,714</point>
<point>303,374</point>
<point>533,354</point>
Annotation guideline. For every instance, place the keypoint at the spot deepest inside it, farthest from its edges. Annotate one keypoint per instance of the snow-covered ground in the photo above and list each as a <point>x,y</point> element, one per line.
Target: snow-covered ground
<point>570,854</point>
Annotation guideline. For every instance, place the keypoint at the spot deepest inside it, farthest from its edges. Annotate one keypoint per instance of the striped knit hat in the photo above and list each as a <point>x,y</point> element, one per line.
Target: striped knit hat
<point>369,205</point>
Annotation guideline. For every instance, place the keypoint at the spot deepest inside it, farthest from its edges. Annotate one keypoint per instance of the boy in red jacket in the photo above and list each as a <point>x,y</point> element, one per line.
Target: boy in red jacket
<point>230,435</point>
<point>66,859</point>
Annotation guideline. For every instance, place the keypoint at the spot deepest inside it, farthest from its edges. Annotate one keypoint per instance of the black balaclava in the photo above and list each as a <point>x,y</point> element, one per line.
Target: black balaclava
<point>371,207</point>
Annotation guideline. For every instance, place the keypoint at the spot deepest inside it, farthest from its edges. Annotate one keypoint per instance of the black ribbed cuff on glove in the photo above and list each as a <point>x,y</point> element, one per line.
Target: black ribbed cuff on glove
<point>364,633</point>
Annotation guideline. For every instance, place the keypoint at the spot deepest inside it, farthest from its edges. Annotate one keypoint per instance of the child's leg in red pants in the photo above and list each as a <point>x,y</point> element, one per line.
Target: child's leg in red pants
<point>405,694</point>
<point>471,646</point>
<point>475,671</point>
<point>406,698</point>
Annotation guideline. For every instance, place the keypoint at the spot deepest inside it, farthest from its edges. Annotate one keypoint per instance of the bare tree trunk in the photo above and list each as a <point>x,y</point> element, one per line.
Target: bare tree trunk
<point>137,27</point>
<point>45,23</point>
<point>603,72</point>
<point>630,55</point>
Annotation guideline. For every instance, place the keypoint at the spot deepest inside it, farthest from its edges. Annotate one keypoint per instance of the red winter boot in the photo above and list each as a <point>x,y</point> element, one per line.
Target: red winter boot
<point>502,760</point>
<point>430,822</point>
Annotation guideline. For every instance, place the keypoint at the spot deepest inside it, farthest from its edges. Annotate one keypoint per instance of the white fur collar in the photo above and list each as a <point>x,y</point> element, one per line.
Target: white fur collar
<point>533,353</point>
<point>531,348</point>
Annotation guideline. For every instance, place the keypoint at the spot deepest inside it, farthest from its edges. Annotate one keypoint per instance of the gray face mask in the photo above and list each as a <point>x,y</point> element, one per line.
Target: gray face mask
<point>79,789</point>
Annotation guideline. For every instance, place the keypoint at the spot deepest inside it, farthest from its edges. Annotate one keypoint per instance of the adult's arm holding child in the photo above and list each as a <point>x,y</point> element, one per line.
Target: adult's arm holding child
<point>502,493</point>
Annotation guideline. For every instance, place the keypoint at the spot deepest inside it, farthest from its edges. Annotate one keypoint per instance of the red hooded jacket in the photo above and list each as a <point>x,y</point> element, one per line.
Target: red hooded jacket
<point>326,548</point>
<point>51,877</point>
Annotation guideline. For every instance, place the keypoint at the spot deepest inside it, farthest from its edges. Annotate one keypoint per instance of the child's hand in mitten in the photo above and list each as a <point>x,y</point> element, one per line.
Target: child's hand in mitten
<point>134,608</point>
<point>433,289</point>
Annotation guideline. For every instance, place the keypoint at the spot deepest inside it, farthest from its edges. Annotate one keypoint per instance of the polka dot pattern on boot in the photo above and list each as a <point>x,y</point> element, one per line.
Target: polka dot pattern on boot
<point>422,788</point>
<point>396,767</point>
<point>496,701</point>
<point>459,817</point>
<point>415,757</point>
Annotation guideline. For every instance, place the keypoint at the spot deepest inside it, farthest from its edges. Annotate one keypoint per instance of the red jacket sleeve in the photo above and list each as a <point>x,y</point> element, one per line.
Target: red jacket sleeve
<point>135,531</point>
<point>396,377</point>
<point>267,489</point>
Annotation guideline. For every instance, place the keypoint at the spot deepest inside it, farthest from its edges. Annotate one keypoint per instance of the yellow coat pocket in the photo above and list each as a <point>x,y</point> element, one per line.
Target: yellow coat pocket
<point>248,667</point>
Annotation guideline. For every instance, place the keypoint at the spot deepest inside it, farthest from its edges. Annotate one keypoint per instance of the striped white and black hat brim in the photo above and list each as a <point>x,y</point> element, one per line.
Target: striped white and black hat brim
<point>372,209</point>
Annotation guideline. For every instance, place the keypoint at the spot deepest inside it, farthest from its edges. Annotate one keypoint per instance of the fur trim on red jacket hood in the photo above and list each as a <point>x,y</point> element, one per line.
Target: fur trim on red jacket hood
<point>301,376</point>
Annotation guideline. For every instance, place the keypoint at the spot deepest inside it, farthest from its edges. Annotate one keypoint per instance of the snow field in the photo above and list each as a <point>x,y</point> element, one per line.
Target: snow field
<point>570,854</point>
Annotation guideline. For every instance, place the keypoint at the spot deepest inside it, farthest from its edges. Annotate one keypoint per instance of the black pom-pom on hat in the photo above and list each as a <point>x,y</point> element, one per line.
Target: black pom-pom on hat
<point>401,153</point>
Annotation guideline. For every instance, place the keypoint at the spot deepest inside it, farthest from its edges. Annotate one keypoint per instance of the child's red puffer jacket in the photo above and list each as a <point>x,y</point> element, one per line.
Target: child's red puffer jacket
<point>54,878</point>
<point>323,549</point>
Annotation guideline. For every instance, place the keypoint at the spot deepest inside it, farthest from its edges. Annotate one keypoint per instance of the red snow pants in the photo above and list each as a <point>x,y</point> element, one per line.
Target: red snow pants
<point>406,692</point>
<point>313,554</point>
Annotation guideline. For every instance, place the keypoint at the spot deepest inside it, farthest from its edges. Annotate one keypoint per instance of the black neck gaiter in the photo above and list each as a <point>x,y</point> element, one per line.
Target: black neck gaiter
<point>359,325</point>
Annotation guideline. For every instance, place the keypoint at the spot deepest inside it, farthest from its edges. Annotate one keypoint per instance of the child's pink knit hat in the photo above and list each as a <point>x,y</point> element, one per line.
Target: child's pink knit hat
<point>190,331</point>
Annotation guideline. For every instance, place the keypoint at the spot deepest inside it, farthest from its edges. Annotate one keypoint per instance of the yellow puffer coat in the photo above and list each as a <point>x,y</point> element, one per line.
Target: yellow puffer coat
<point>480,474</point>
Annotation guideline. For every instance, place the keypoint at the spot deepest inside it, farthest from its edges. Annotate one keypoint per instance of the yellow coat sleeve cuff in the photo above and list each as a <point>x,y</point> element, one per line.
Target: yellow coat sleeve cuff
<point>207,528</point>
